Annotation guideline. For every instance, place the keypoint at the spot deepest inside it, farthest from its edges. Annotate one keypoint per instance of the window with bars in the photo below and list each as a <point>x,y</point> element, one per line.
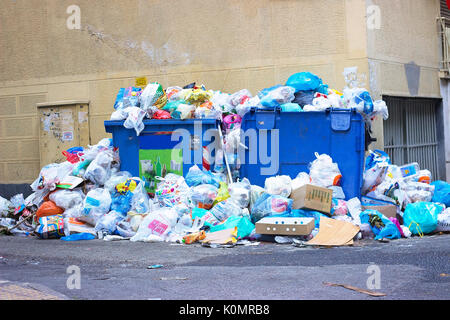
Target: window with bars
<point>411,132</point>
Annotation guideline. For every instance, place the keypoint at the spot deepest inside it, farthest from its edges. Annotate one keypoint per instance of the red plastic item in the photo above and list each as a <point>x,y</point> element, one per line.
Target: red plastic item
<point>72,158</point>
<point>161,114</point>
<point>48,208</point>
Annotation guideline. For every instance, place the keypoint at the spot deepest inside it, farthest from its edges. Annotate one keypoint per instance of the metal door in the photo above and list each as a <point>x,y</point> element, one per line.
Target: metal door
<point>411,132</point>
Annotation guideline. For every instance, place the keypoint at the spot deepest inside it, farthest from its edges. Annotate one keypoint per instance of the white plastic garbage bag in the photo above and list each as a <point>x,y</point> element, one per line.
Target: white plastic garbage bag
<point>324,172</point>
<point>240,192</point>
<point>156,224</point>
<point>302,179</point>
<point>134,119</point>
<point>279,185</point>
<point>96,204</point>
<point>67,199</point>
<point>99,170</point>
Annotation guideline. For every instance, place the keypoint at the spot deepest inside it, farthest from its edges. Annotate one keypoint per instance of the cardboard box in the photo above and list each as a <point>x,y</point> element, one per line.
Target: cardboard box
<point>313,198</point>
<point>389,211</point>
<point>285,226</point>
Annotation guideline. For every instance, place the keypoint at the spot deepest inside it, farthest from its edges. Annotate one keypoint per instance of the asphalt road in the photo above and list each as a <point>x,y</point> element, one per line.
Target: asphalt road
<point>413,269</point>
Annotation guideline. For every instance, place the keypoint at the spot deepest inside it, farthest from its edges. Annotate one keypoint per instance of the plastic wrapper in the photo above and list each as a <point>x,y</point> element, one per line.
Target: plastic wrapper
<point>108,222</point>
<point>50,227</point>
<point>127,97</point>
<point>339,207</point>
<point>96,204</point>
<point>240,192</point>
<point>67,199</point>
<point>198,96</point>
<point>359,99</point>
<point>172,190</point>
<point>278,96</point>
<point>232,121</point>
<point>99,170</point>
<point>51,175</point>
<point>134,119</point>
<point>115,179</point>
<point>225,209</point>
<point>184,111</point>
<point>279,185</point>
<point>354,209</point>
<point>417,191</point>
<point>172,93</point>
<point>203,196</point>
<point>324,172</point>
<point>222,194</point>
<point>153,95</point>
<point>240,97</point>
<point>18,203</point>
<point>156,224</point>
<point>268,204</point>
<point>318,104</point>
<point>255,193</point>
<point>245,107</point>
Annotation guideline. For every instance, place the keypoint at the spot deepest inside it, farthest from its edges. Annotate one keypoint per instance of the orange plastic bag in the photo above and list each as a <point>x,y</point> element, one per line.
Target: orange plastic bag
<point>48,208</point>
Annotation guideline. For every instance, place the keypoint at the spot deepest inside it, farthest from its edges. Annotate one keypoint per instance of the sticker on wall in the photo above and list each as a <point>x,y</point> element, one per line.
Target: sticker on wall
<point>67,136</point>
<point>158,163</point>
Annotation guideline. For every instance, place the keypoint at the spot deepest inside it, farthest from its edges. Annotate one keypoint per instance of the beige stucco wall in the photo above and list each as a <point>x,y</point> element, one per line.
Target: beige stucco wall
<point>226,45</point>
<point>408,33</point>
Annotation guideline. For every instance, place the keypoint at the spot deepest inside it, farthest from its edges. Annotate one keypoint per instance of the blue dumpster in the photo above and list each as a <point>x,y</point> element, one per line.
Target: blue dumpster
<point>295,137</point>
<point>164,146</point>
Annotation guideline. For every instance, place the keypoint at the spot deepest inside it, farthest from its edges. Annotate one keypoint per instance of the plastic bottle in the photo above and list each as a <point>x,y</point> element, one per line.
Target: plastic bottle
<point>194,237</point>
<point>410,169</point>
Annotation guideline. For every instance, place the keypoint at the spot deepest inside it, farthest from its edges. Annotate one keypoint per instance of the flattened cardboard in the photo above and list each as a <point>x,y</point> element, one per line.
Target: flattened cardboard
<point>334,233</point>
<point>222,237</point>
<point>313,198</point>
<point>285,226</point>
<point>389,211</point>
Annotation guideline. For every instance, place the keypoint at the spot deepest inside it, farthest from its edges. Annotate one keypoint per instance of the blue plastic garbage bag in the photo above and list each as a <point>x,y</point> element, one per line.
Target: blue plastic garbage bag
<point>268,205</point>
<point>365,97</point>
<point>421,217</point>
<point>244,226</point>
<point>381,226</point>
<point>291,107</point>
<point>79,236</point>
<point>121,202</point>
<point>441,192</point>
<point>196,177</point>
<point>304,81</point>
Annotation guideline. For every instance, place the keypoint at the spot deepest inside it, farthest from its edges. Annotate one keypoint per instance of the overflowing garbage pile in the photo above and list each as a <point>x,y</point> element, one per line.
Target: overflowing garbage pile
<point>89,197</point>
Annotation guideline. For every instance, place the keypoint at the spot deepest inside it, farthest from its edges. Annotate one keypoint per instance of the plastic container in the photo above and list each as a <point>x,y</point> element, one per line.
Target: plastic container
<point>158,151</point>
<point>338,133</point>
